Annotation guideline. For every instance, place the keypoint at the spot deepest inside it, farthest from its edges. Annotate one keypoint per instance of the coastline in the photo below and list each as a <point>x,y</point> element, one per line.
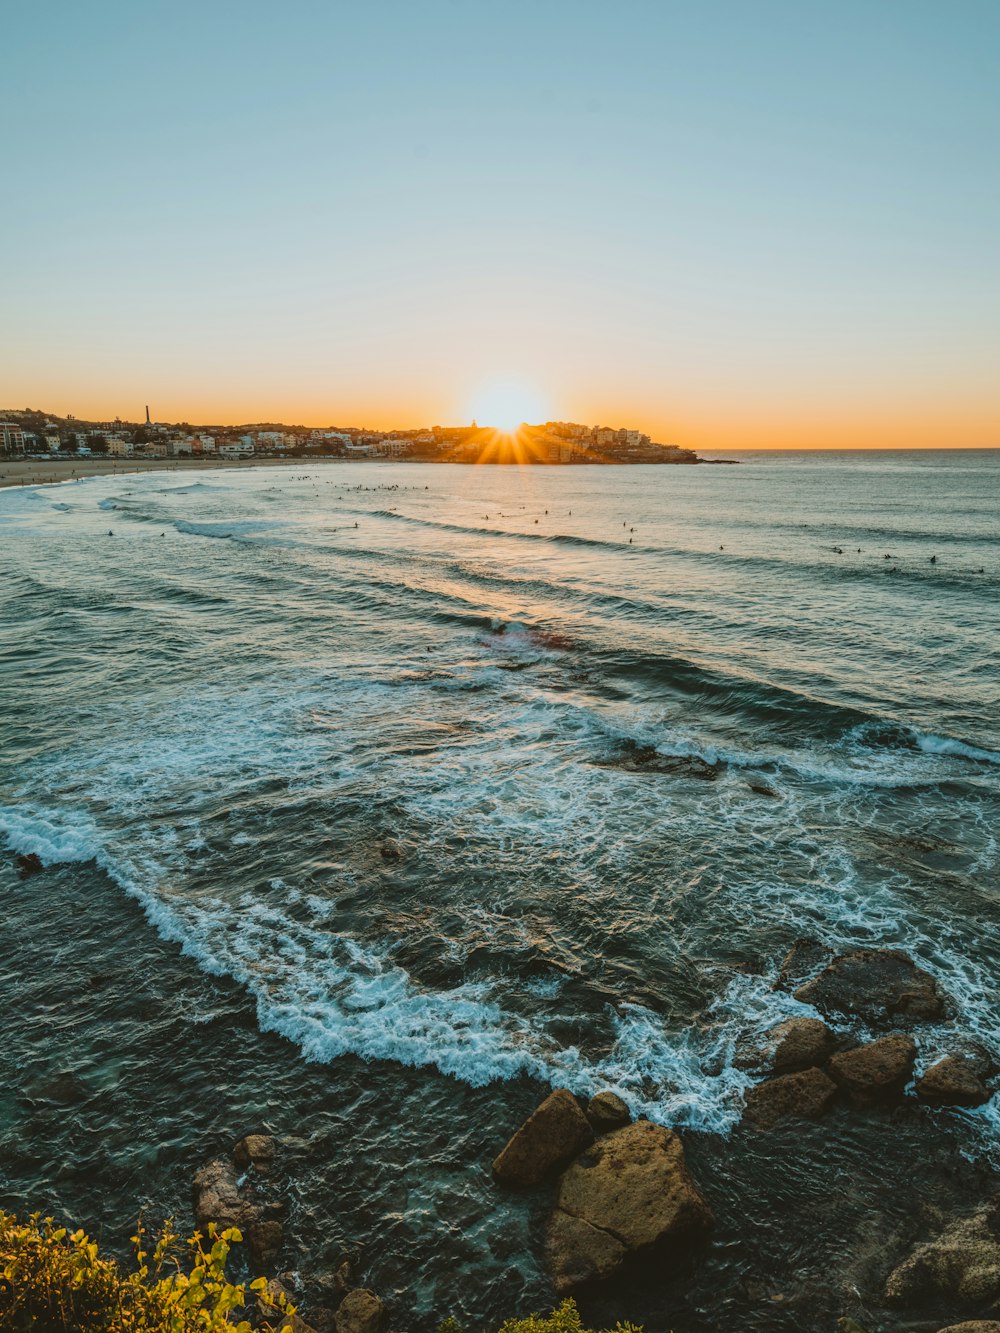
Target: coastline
<point>43,472</point>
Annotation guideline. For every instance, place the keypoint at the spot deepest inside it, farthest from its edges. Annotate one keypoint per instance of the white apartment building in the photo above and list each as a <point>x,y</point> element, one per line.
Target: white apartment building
<point>237,448</point>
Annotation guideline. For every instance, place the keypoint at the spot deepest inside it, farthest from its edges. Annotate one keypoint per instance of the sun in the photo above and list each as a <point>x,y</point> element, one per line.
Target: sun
<point>506,406</point>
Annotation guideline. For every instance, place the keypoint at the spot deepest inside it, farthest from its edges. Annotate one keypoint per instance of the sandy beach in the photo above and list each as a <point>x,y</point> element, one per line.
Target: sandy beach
<point>44,471</point>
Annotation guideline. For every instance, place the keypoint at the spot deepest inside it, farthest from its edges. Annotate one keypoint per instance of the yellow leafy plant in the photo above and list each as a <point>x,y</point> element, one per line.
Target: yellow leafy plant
<point>55,1281</point>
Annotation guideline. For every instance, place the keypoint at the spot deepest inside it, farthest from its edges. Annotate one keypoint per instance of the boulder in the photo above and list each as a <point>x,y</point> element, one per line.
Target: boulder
<point>28,864</point>
<point>804,1095</point>
<point>607,1111</point>
<point>974,1326</point>
<point>360,1311</point>
<point>952,1082</point>
<point>962,1264</point>
<point>627,1194</point>
<point>876,985</point>
<point>876,1072</point>
<point>256,1150</point>
<point>217,1199</point>
<point>549,1138</point>
<point>797,1043</point>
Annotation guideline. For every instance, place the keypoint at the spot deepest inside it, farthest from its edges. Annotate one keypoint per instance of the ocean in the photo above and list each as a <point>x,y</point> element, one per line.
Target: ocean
<point>374,800</point>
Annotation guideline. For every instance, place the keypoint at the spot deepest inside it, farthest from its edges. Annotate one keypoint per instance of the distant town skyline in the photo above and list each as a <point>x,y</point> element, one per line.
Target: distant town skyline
<point>734,226</point>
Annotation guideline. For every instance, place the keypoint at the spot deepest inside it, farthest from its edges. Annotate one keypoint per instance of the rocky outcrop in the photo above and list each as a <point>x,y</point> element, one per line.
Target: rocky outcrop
<point>636,758</point>
<point>629,1193</point>
<point>962,1264</point>
<point>256,1150</point>
<point>876,985</point>
<point>974,1326</point>
<point>953,1081</point>
<point>804,1095</point>
<point>550,1137</point>
<point>797,1043</point>
<point>216,1197</point>
<point>360,1311</point>
<point>221,1196</point>
<point>607,1111</point>
<point>877,1071</point>
<point>28,864</point>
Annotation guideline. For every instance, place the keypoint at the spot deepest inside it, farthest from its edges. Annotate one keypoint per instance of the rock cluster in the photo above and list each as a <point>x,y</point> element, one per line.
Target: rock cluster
<point>878,987</point>
<point>624,1194</point>
<point>220,1196</point>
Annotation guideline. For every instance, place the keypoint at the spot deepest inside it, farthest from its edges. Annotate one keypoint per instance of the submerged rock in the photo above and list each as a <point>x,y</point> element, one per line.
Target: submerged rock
<point>952,1082</point>
<point>360,1311</point>
<point>635,758</point>
<point>607,1111</point>
<point>797,1043</point>
<point>264,1239</point>
<point>804,1095</point>
<point>550,1137</point>
<point>803,959</point>
<point>962,1264</point>
<point>876,985</point>
<point>28,864</point>
<point>256,1150</point>
<point>392,850</point>
<point>627,1194</point>
<point>876,1072</point>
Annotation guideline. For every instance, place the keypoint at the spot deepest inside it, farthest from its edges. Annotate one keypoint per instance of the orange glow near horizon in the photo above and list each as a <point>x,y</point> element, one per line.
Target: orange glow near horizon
<point>675,415</point>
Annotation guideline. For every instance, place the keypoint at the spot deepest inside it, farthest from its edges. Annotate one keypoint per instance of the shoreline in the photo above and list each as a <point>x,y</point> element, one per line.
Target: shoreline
<point>42,472</point>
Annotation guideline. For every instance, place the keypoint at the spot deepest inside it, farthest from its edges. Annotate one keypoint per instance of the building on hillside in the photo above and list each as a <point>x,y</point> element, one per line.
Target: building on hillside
<point>119,448</point>
<point>237,448</point>
<point>11,438</point>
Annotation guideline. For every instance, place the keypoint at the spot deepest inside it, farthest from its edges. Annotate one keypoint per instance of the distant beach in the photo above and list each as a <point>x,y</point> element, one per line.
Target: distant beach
<point>44,471</point>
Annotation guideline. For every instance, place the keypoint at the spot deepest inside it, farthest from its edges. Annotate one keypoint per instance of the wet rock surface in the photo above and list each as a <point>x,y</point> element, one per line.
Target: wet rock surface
<point>875,985</point>
<point>952,1081</point>
<point>361,1311</point>
<point>256,1150</point>
<point>797,1043</point>
<point>550,1137</point>
<point>877,1071</point>
<point>962,1263</point>
<point>635,758</point>
<point>607,1111</point>
<point>804,1095</point>
<point>630,1193</point>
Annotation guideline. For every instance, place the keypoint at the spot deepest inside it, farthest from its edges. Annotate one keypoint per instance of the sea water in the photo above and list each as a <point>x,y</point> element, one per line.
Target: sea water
<point>376,799</point>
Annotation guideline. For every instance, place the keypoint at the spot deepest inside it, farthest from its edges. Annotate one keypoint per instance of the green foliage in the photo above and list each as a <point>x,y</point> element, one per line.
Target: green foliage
<point>55,1282</point>
<point>565,1318</point>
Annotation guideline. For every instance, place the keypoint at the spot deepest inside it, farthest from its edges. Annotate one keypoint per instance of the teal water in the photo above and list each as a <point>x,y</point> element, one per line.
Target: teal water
<point>214,718</point>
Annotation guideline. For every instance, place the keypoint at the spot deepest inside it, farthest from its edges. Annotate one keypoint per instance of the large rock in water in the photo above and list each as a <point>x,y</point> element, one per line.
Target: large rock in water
<point>797,1043</point>
<point>361,1311</point>
<point>877,985</point>
<point>876,1072</point>
<point>804,1095</point>
<point>549,1138</point>
<point>952,1082</point>
<point>628,1193</point>
<point>962,1264</point>
<point>216,1197</point>
<point>974,1326</point>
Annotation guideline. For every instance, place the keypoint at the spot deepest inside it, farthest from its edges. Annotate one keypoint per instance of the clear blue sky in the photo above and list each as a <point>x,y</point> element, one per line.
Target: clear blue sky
<point>742,221</point>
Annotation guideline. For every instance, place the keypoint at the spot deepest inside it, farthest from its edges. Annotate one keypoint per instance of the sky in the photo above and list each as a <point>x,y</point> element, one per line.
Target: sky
<point>728,223</point>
